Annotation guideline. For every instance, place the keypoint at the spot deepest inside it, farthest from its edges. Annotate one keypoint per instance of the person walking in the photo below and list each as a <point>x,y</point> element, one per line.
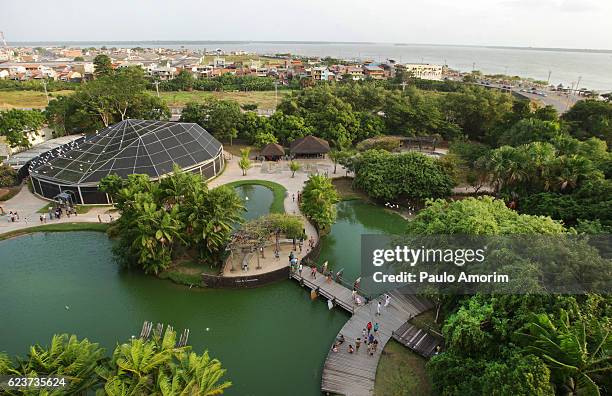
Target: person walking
<point>378,305</point>
<point>369,327</point>
<point>376,327</point>
<point>387,300</point>
<point>357,344</point>
<point>300,269</point>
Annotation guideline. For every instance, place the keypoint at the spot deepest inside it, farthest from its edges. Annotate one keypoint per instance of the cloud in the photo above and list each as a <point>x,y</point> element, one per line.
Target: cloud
<point>553,5</point>
<point>577,6</point>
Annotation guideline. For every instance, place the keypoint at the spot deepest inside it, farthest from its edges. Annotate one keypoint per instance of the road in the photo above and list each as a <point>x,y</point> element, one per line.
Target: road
<point>560,101</point>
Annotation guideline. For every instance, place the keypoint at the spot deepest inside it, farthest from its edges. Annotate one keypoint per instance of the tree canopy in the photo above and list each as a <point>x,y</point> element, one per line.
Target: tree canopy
<point>16,125</point>
<point>319,198</point>
<point>156,366</point>
<point>159,217</point>
<point>222,118</point>
<point>391,177</point>
<point>108,99</point>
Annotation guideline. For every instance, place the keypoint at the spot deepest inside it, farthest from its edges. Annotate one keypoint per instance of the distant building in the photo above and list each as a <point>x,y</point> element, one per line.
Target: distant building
<point>374,72</point>
<point>425,71</point>
<point>322,74</point>
<point>356,72</point>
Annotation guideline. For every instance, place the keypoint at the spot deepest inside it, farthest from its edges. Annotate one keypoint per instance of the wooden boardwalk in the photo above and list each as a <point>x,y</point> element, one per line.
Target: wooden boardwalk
<point>353,374</point>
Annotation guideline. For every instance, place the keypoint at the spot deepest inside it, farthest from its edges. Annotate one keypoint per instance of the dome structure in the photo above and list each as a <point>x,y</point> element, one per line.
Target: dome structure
<point>128,147</point>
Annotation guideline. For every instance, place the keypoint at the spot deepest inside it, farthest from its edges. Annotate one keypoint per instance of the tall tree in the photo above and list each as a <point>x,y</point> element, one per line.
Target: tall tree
<point>102,66</point>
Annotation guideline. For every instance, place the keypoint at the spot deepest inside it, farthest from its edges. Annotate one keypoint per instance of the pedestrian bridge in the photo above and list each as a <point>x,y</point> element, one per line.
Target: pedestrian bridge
<point>352,374</point>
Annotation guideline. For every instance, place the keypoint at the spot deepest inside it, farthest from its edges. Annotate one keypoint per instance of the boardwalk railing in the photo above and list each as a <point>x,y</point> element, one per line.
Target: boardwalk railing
<point>336,293</point>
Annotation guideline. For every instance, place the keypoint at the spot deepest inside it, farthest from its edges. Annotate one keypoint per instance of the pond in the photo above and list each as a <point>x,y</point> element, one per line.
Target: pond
<point>273,340</point>
<point>341,247</point>
<point>257,200</point>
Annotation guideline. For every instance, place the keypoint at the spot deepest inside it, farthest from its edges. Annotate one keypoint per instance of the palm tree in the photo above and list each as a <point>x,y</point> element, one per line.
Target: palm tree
<point>244,163</point>
<point>196,375</point>
<point>212,215</point>
<point>155,231</point>
<point>67,357</point>
<point>294,166</point>
<point>576,352</point>
<point>158,367</point>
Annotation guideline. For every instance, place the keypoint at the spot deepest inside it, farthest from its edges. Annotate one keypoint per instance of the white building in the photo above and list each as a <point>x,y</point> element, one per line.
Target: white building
<point>425,71</point>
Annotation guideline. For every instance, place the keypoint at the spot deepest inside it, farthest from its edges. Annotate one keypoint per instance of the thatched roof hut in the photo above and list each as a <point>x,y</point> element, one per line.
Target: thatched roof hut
<point>309,146</point>
<point>272,151</point>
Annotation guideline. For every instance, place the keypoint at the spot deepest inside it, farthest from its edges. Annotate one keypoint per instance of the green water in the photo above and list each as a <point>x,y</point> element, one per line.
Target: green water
<point>273,340</point>
<point>342,246</point>
<point>259,200</point>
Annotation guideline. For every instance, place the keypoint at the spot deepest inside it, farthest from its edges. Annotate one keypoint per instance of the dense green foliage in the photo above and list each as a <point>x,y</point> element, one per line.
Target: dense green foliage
<point>387,143</point>
<point>186,82</point>
<point>391,177</point>
<point>486,349</point>
<point>478,216</point>
<point>102,66</point>
<point>138,368</point>
<point>15,125</point>
<point>108,99</point>
<point>319,198</point>
<point>590,118</point>
<point>179,212</point>
<point>219,117</point>
<point>545,171</point>
<point>8,176</point>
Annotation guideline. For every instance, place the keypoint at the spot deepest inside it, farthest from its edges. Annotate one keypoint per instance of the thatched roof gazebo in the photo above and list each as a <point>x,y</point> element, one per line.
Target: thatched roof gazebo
<point>272,152</point>
<point>309,146</point>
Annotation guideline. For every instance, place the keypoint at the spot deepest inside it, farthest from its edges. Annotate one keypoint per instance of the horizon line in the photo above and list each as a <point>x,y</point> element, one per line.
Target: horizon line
<point>565,49</point>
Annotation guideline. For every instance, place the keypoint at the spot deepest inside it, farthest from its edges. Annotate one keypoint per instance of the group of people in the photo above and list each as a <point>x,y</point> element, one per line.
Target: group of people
<point>368,338</point>
<point>12,216</point>
<point>57,213</point>
<point>379,304</point>
<point>299,197</point>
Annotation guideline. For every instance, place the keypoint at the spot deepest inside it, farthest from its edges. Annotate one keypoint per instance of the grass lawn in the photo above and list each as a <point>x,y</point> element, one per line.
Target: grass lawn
<point>35,99</point>
<point>264,99</point>
<point>279,192</point>
<point>60,227</point>
<point>344,186</point>
<point>236,147</point>
<point>401,372</point>
<point>29,99</point>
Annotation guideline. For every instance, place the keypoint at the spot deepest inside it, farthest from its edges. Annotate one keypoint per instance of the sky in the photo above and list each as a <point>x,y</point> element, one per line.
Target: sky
<point>522,23</point>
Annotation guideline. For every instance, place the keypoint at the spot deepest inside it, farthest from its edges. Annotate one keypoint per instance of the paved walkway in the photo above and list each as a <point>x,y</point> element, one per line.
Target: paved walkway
<point>279,172</point>
<point>27,205</point>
